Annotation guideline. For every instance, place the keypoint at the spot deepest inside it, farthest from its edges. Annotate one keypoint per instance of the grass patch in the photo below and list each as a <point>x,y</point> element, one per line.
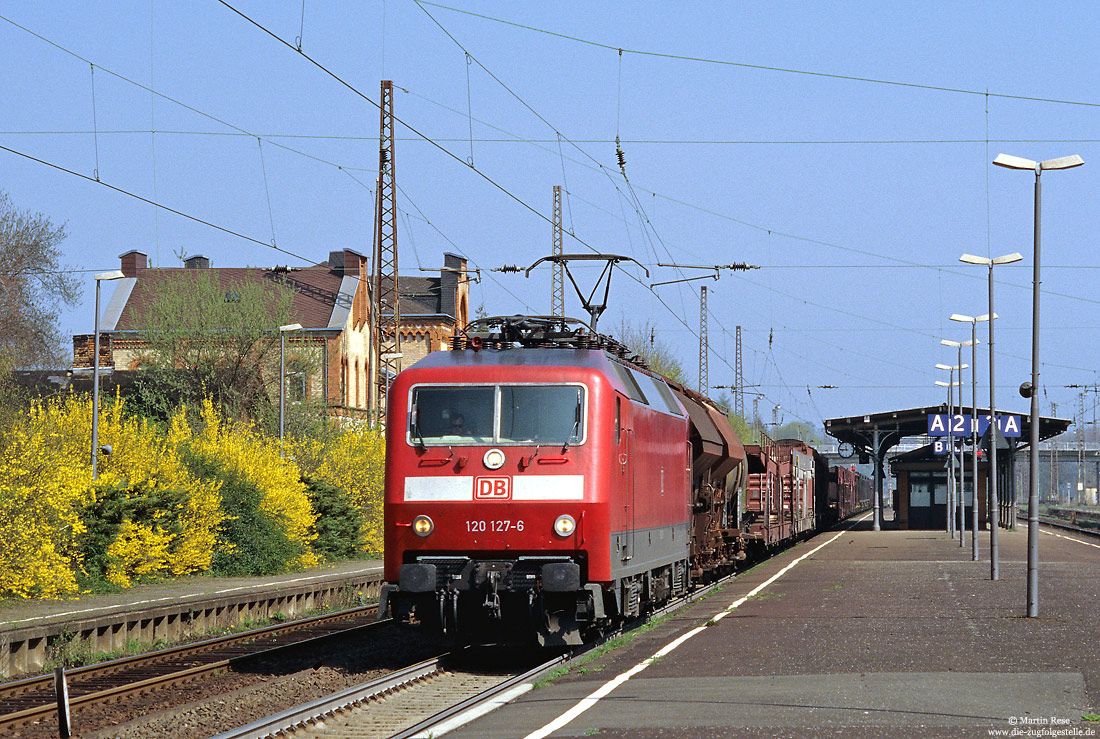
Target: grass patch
<point>1091,717</point>
<point>766,596</point>
<point>67,651</point>
<point>554,675</point>
<point>613,643</point>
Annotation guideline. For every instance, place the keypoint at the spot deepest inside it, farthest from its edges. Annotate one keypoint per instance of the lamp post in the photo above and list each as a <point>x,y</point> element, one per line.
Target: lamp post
<point>948,506</point>
<point>951,385</point>
<point>1011,162</point>
<point>973,321</point>
<point>994,503</point>
<point>283,330</point>
<point>961,497</point>
<point>100,277</point>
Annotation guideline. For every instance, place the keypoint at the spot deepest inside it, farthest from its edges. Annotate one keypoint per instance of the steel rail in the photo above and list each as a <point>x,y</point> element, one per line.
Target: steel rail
<point>160,681</point>
<point>425,727</point>
<point>317,711</point>
<point>309,713</point>
<point>1055,524</point>
<point>18,687</point>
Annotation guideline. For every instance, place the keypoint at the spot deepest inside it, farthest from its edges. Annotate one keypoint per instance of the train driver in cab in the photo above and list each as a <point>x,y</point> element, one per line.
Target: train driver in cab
<point>458,425</point>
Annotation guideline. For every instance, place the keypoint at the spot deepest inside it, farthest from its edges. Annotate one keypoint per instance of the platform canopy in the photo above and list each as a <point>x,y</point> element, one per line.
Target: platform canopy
<point>893,426</point>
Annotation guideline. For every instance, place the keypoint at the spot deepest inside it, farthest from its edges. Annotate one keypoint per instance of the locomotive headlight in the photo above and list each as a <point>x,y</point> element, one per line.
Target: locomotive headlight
<point>423,525</point>
<point>494,459</point>
<point>564,525</point>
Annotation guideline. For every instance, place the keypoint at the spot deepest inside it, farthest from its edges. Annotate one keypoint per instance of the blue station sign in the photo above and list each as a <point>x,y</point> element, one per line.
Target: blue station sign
<point>944,424</point>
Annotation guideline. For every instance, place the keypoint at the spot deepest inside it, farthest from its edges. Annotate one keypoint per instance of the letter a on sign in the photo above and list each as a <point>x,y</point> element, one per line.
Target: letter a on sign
<point>937,424</point>
<point>492,488</point>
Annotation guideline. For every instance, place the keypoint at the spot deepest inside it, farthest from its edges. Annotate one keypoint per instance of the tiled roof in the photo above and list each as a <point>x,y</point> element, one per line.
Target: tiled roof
<point>419,295</point>
<point>316,289</point>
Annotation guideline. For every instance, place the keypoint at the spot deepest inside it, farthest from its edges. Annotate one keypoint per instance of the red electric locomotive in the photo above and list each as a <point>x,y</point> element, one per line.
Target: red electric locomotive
<point>537,481</point>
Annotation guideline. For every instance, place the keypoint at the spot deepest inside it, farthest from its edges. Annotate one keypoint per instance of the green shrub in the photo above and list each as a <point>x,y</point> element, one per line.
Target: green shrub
<point>339,527</point>
<point>252,540</point>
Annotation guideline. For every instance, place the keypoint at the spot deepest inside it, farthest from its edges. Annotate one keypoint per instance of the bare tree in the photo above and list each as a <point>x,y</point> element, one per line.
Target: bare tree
<point>646,343</point>
<point>203,338</point>
<point>34,286</point>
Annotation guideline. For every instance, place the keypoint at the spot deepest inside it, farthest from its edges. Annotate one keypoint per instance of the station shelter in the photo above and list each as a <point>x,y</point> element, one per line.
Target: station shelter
<point>920,495</point>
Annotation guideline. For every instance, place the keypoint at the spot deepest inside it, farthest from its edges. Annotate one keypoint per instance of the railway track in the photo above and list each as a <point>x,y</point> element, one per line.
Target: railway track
<point>420,700</point>
<point>1059,524</point>
<point>31,703</point>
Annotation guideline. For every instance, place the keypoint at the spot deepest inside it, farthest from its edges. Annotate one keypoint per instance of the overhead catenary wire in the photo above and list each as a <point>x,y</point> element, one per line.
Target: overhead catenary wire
<point>155,204</point>
<point>765,67</point>
<point>152,131</point>
<point>771,231</point>
<point>441,148</point>
<point>620,202</point>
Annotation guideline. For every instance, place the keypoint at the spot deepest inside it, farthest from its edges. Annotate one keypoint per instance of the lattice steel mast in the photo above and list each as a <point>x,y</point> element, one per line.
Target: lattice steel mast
<point>704,382</point>
<point>739,381</point>
<point>386,337</point>
<point>557,285</point>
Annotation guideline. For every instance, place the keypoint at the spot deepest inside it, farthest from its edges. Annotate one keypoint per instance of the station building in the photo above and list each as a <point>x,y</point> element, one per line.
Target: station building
<point>331,300</point>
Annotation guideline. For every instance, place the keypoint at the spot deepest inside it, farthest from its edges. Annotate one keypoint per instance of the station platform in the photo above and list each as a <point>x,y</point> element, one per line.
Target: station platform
<point>19,612</point>
<point>852,633</point>
<point>173,610</point>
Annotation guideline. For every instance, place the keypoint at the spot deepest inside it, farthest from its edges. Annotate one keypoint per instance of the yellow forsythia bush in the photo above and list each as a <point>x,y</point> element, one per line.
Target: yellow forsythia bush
<point>240,449</point>
<point>159,507</point>
<point>42,492</point>
<point>354,461</point>
<point>145,515</point>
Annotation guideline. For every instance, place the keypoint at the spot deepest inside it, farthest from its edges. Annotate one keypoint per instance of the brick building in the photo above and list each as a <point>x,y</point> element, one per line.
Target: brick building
<point>331,301</point>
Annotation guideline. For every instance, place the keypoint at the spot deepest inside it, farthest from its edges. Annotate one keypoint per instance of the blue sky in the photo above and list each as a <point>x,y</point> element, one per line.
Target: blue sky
<point>768,133</point>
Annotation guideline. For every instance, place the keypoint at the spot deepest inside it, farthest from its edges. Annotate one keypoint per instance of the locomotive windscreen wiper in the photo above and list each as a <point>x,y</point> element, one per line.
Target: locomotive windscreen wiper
<point>575,432</point>
<point>416,432</point>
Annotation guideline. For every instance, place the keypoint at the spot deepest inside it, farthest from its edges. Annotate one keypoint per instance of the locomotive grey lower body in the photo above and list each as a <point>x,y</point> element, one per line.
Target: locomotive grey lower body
<point>505,599</point>
<point>491,598</point>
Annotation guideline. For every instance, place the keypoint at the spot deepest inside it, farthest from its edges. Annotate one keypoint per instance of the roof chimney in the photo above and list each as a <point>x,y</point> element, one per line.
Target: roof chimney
<point>354,264</point>
<point>197,261</point>
<point>133,262</point>
<point>336,261</point>
<point>451,278</point>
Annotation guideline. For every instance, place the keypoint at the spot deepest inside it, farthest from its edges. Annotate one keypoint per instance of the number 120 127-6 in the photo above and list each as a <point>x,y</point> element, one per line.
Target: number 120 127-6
<point>494,526</point>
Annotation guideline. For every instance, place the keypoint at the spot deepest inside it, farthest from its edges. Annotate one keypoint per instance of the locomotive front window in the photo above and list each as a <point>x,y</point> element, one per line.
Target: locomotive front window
<point>541,414</point>
<point>503,414</point>
<point>452,414</point>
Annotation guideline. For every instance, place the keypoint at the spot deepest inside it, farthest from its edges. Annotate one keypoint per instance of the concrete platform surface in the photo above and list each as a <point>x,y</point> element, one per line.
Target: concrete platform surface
<point>23,612</point>
<point>868,634</point>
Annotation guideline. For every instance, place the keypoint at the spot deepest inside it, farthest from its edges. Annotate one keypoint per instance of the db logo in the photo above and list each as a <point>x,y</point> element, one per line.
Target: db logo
<point>492,488</point>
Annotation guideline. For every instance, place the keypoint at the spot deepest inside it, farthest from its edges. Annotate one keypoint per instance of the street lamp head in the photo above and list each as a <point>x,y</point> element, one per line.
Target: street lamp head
<point>291,327</point>
<point>961,318</point>
<point>1008,258</point>
<point>1011,162</point>
<point>1062,162</point>
<point>115,274</point>
<point>949,342</point>
<point>972,259</point>
<point>983,319</point>
<point>943,366</point>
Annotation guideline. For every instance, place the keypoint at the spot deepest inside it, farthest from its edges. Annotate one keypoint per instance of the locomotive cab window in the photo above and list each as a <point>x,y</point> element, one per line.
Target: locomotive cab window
<point>501,414</point>
<point>452,414</point>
